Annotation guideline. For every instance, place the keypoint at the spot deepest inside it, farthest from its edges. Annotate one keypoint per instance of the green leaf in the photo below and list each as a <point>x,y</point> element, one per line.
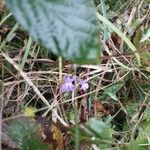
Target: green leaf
<point>67,27</point>
<point>113,89</point>
<point>95,131</point>
<point>25,133</point>
<point>99,128</point>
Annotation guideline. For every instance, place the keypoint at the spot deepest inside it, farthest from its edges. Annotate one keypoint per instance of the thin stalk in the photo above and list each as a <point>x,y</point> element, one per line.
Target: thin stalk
<point>76,117</point>
<point>60,68</point>
<point>1,105</point>
<point>5,18</point>
<point>27,49</point>
<point>9,36</point>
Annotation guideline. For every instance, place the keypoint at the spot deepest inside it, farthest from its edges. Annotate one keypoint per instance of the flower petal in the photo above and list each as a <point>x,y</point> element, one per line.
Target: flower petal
<point>84,85</point>
<point>68,85</point>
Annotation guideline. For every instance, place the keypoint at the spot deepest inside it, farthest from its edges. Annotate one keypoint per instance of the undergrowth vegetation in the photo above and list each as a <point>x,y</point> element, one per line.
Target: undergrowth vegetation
<point>48,102</point>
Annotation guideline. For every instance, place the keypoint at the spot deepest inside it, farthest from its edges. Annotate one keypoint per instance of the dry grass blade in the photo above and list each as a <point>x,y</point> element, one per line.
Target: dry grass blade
<point>25,77</point>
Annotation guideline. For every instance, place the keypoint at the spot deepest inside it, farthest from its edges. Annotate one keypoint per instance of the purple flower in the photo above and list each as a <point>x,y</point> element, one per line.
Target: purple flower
<point>68,85</point>
<point>84,85</point>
